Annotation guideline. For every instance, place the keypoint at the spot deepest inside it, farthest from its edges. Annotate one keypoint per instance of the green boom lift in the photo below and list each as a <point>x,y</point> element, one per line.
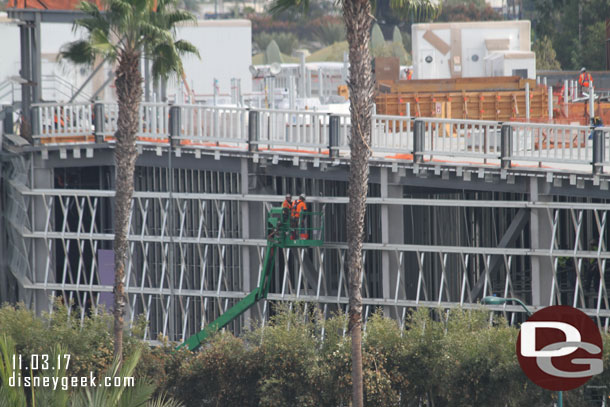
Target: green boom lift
<point>280,234</point>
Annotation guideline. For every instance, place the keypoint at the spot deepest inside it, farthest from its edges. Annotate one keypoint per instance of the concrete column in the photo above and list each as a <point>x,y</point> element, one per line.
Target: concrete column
<point>42,177</point>
<point>25,72</point>
<point>147,81</point>
<point>303,73</point>
<point>392,231</point>
<point>344,70</point>
<point>36,42</point>
<point>541,232</point>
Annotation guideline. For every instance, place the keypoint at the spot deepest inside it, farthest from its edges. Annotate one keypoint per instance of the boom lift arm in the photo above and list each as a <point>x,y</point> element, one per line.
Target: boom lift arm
<point>280,234</point>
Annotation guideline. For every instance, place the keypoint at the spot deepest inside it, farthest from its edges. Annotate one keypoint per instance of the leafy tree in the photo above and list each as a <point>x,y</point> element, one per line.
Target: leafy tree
<point>546,58</point>
<point>593,56</point>
<point>224,373</point>
<point>121,33</point>
<point>377,39</point>
<point>468,12</point>
<point>398,48</point>
<point>397,36</point>
<point>329,33</point>
<point>286,42</point>
<point>406,41</point>
<point>273,54</point>
<point>573,27</point>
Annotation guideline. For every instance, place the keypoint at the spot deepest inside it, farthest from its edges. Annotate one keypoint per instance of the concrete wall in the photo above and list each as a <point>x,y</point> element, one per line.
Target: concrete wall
<point>225,47</point>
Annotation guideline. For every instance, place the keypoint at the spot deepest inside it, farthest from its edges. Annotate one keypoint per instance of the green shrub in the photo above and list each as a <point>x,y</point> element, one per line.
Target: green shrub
<point>286,42</point>
<point>330,33</point>
<point>272,54</point>
<point>224,373</point>
<point>442,358</point>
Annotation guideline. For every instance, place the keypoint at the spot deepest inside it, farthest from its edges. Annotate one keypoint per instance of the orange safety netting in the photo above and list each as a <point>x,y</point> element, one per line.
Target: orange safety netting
<point>49,4</point>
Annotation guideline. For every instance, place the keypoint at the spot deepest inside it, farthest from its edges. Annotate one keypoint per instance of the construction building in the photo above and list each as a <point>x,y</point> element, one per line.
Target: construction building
<point>458,209</point>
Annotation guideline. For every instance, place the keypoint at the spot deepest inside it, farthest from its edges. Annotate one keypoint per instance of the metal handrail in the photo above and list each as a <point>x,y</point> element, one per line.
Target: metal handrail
<point>290,131</point>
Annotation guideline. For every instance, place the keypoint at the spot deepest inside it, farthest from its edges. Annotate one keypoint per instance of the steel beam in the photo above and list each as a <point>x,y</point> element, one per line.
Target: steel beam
<point>512,233</point>
<point>543,275</point>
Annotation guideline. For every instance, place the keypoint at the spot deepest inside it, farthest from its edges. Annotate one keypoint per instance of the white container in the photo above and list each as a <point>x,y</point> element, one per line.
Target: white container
<point>458,50</point>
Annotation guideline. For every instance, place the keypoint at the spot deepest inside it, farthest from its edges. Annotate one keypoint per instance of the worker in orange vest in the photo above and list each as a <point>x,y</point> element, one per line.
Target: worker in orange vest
<point>59,120</point>
<point>409,74</point>
<point>287,208</point>
<point>585,80</point>
<point>298,216</point>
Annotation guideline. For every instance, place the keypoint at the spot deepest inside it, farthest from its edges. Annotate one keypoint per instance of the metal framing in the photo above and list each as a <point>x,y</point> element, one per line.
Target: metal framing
<point>197,236</point>
<point>439,232</point>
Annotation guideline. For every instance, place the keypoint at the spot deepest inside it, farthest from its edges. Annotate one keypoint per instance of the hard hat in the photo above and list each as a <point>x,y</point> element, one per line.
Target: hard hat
<point>302,196</point>
<point>288,196</point>
<point>583,69</point>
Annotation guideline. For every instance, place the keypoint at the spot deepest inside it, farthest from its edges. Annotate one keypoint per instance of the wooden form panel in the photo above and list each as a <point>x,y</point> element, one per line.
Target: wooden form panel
<point>501,105</point>
<point>496,83</point>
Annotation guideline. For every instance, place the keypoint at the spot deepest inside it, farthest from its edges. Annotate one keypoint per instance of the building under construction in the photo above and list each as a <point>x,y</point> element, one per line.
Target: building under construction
<point>458,208</point>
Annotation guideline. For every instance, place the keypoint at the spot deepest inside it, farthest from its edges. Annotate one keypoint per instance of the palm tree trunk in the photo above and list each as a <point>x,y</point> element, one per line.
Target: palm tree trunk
<point>129,91</point>
<point>357,15</point>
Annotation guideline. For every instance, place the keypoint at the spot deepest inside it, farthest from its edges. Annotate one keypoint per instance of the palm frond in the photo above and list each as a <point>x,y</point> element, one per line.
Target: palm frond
<point>185,47</point>
<point>154,34</point>
<point>166,61</point>
<point>92,23</point>
<point>89,8</point>
<point>164,401</point>
<point>13,395</point>
<point>78,52</point>
<point>100,43</point>
<point>137,396</point>
<point>179,16</point>
<point>120,14</point>
<point>141,7</point>
<point>49,396</point>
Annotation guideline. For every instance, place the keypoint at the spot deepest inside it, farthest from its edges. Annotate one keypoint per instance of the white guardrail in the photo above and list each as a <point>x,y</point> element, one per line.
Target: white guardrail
<point>199,126</point>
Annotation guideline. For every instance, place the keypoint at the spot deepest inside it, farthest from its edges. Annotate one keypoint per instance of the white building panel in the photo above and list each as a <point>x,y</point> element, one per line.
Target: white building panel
<point>456,50</point>
<point>225,47</point>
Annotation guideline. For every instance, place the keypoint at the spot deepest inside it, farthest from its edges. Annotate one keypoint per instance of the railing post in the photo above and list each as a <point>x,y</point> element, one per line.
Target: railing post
<point>599,146</point>
<point>527,101</point>
<point>35,119</point>
<point>550,103</point>
<point>174,125</point>
<point>506,145</point>
<point>333,136</point>
<point>591,103</point>
<point>253,130</point>
<point>419,131</point>
<point>98,122</point>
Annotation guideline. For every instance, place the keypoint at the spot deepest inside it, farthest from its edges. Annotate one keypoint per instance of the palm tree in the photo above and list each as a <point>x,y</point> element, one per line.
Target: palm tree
<point>120,33</point>
<point>138,394</point>
<point>358,19</point>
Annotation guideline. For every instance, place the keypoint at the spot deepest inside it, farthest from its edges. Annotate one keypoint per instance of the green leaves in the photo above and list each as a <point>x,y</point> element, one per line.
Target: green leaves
<point>422,10</point>
<point>78,52</point>
<point>128,27</point>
